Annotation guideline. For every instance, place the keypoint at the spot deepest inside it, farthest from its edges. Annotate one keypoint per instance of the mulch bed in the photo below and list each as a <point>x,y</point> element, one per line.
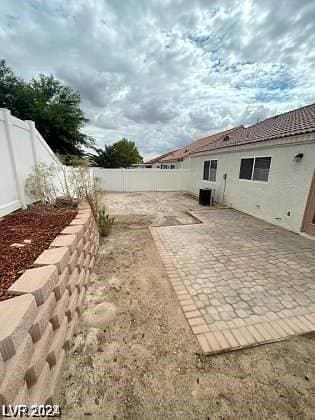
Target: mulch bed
<point>38,225</point>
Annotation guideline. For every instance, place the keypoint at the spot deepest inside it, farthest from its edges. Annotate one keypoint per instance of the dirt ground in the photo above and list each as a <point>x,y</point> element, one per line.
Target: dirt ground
<point>134,356</point>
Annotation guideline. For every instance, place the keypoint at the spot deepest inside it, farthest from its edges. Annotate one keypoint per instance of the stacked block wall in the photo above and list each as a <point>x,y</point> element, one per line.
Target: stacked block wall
<point>37,324</point>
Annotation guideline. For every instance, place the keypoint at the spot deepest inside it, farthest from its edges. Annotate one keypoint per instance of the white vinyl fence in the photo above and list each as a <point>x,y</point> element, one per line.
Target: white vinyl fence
<point>21,147</point>
<point>143,179</point>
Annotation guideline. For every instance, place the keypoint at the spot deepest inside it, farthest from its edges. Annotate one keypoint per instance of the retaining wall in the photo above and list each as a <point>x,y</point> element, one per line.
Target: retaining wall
<point>37,324</point>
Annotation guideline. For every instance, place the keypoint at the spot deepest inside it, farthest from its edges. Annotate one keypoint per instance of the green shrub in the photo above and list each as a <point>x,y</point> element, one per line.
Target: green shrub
<point>104,222</point>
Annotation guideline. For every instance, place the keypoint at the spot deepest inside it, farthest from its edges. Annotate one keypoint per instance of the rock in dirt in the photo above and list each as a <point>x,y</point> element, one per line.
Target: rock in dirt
<point>114,283</point>
<point>91,341</point>
<point>111,351</point>
<point>100,316</point>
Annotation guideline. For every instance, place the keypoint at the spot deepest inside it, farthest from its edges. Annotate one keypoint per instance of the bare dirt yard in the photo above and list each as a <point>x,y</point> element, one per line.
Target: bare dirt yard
<point>134,356</point>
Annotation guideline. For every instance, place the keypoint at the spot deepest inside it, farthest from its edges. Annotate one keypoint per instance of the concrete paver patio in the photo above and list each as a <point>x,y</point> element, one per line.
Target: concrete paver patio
<point>240,281</point>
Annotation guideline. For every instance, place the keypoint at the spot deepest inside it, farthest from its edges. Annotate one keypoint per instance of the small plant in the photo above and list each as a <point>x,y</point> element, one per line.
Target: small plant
<point>66,185</point>
<point>82,185</point>
<point>104,222</point>
<point>40,185</point>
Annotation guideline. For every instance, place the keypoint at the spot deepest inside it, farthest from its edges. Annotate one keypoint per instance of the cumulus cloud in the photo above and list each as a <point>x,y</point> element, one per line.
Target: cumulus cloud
<point>165,72</point>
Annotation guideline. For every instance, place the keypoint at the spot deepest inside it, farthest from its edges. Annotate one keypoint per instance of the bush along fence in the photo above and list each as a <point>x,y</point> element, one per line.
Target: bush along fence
<point>38,322</point>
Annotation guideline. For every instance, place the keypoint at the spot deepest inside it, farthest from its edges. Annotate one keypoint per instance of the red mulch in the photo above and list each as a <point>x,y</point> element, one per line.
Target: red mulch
<point>40,224</point>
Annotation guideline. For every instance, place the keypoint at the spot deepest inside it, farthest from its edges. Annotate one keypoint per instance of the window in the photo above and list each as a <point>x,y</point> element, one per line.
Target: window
<point>172,166</point>
<point>206,167</point>
<point>246,168</point>
<point>210,170</point>
<point>261,169</point>
<point>213,170</point>
<point>255,169</point>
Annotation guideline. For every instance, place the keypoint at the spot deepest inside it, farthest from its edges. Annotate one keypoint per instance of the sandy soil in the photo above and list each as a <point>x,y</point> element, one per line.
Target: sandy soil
<point>134,356</point>
<point>157,209</point>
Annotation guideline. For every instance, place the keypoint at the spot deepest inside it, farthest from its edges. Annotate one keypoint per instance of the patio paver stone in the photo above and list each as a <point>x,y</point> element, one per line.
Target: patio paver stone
<point>247,281</point>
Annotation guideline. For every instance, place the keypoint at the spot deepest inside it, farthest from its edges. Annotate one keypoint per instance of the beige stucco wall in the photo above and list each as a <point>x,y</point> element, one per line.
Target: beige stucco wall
<point>280,201</point>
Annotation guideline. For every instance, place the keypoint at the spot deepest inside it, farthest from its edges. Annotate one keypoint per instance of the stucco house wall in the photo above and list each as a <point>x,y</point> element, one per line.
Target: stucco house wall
<point>282,199</point>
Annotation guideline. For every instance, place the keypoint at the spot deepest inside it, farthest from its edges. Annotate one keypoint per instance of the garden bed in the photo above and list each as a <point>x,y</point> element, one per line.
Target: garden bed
<point>31,231</point>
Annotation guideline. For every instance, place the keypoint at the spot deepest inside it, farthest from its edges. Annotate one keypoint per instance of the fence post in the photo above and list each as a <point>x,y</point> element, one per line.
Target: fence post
<point>124,179</point>
<point>154,180</point>
<point>18,182</point>
<point>31,125</point>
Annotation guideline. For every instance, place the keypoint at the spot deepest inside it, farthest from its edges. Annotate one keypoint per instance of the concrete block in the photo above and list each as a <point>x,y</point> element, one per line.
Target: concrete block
<point>80,261</point>
<point>84,211</point>
<point>38,359</point>
<point>80,245</point>
<point>83,205</point>
<point>93,250</point>
<point>85,217</point>
<point>55,375</point>
<point>87,248</point>
<point>86,236</point>
<point>58,340</point>
<point>80,222</point>
<point>16,317</point>
<point>23,396</point>
<point>71,330</point>
<point>1,368</point>
<point>81,280</point>
<point>74,278</point>
<point>38,281</point>
<point>54,256</point>
<point>15,368</point>
<point>87,277</point>
<point>73,261</point>
<point>62,283</point>
<point>43,316</point>
<point>72,304</point>
<point>39,391</point>
<point>87,260</point>
<point>68,241</point>
<point>80,302</point>
<point>92,262</point>
<point>60,310</point>
<point>74,230</point>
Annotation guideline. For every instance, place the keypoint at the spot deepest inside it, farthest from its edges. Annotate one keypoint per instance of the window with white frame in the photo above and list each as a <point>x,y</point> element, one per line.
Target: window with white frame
<point>255,168</point>
<point>210,170</point>
<point>213,170</point>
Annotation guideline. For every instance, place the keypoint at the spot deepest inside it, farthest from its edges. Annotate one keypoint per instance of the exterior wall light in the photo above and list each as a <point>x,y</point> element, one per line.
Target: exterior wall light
<point>298,157</point>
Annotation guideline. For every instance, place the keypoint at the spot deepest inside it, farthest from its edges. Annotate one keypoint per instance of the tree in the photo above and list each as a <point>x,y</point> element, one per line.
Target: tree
<point>121,154</point>
<point>104,158</point>
<point>54,107</point>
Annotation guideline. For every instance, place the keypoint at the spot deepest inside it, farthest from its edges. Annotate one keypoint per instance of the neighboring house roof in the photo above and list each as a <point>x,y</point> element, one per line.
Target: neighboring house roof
<point>158,158</point>
<point>292,123</point>
<point>196,145</point>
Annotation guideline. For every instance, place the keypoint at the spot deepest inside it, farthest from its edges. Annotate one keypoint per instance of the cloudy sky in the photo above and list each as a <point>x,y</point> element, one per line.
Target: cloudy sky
<point>165,72</point>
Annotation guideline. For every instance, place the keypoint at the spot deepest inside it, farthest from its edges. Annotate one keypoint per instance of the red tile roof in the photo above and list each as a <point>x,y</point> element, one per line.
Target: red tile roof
<point>292,123</point>
<point>196,145</point>
<point>158,158</point>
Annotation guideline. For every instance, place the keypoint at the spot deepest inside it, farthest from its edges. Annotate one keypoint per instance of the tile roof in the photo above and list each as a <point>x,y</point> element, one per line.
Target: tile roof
<point>292,123</point>
<point>196,145</point>
<point>158,158</point>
